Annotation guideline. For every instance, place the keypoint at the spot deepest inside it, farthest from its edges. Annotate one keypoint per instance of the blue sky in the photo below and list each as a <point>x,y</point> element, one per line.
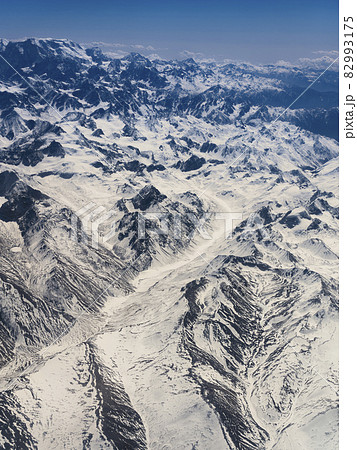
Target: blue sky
<point>257,31</point>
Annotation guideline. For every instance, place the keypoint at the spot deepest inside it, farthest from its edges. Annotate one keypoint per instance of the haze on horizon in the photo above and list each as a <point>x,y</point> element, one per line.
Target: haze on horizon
<point>255,31</point>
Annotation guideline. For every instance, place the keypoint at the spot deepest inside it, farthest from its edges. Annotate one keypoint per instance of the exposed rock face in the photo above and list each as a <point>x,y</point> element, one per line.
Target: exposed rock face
<point>168,253</point>
<point>192,163</point>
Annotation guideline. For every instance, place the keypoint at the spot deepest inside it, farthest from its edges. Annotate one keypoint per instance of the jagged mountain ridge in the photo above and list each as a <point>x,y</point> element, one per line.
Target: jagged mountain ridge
<point>123,86</point>
<point>231,340</point>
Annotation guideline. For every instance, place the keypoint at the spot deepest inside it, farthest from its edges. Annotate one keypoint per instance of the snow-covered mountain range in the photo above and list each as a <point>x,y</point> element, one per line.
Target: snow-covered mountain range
<point>184,337</point>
